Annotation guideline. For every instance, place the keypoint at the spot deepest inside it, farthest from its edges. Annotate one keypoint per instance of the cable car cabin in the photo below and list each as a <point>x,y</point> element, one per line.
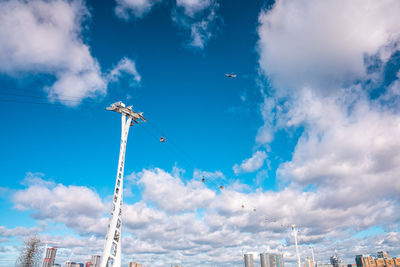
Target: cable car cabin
<point>221,187</point>
<point>203,180</point>
<point>162,139</point>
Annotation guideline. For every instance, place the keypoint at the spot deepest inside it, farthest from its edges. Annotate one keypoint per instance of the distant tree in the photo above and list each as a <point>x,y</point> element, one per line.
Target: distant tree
<point>30,254</point>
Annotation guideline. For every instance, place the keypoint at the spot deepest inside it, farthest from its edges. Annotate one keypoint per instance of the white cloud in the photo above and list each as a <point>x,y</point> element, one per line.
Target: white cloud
<point>251,164</point>
<point>345,164</point>
<point>46,37</point>
<point>353,151</point>
<point>199,17</point>
<point>18,231</point>
<point>171,194</point>
<point>155,234</point>
<point>138,8</point>
<point>192,7</point>
<point>198,174</point>
<point>324,44</point>
<point>126,66</point>
<point>347,138</point>
<point>77,207</point>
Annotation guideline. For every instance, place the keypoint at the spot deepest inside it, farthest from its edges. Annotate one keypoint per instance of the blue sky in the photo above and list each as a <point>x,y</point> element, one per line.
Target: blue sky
<point>305,133</point>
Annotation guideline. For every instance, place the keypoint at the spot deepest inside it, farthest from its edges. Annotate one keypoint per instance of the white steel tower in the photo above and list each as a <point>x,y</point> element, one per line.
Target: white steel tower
<point>295,242</point>
<point>112,245</point>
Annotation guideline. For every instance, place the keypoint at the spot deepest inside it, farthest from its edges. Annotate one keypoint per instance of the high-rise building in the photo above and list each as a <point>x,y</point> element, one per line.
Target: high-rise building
<point>382,260</point>
<point>95,261</point>
<point>308,262</point>
<point>336,261</point>
<point>271,260</point>
<point>135,264</point>
<point>70,264</point>
<point>383,254</point>
<point>50,257</point>
<point>248,260</point>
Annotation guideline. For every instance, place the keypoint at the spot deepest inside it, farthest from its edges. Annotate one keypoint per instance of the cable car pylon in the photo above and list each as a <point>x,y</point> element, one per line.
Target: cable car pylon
<point>112,245</point>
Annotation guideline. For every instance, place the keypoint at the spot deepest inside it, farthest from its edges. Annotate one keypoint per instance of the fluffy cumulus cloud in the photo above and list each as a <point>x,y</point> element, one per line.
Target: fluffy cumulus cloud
<point>196,17</point>
<point>46,37</point>
<point>170,193</point>
<point>75,206</point>
<point>251,164</point>
<point>124,66</point>
<point>138,8</point>
<point>323,60</point>
<point>192,225</point>
<point>192,7</point>
<point>199,17</point>
<point>324,44</point>
<point>18,231</point>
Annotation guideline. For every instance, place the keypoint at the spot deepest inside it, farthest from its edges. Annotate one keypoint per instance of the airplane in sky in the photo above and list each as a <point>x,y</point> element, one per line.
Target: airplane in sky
<point>230,75</point>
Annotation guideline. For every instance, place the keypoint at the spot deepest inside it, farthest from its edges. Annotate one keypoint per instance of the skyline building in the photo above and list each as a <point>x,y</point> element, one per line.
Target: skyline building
<point>95,260</point>
<point>50,257</point>
<point>248,260</point>
<point>308,262</point>
<point>336,261</point>
<point>382,260</point>
<point>135,264</point>
<point>271,260</point>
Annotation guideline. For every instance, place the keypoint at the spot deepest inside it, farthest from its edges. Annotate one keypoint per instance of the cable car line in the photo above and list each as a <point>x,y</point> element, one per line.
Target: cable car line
<point>42,100</point>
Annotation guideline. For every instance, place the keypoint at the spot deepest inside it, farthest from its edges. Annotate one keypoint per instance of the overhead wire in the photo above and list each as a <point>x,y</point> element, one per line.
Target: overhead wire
<point>184,155</point>
<point>42,100</point>
<point>205,178</point>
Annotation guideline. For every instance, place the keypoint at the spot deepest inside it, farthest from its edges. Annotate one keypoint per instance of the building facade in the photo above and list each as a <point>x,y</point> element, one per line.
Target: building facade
<point>382,260</point>
<point>50,257</point>
<point>248,260</point>
<point>95,261</point>
<point>271,260</point>
<point>308,262</point>
<point>135,264</point>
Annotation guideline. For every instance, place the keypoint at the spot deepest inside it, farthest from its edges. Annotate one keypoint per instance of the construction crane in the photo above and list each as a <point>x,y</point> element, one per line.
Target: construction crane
<point>295,242</point>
